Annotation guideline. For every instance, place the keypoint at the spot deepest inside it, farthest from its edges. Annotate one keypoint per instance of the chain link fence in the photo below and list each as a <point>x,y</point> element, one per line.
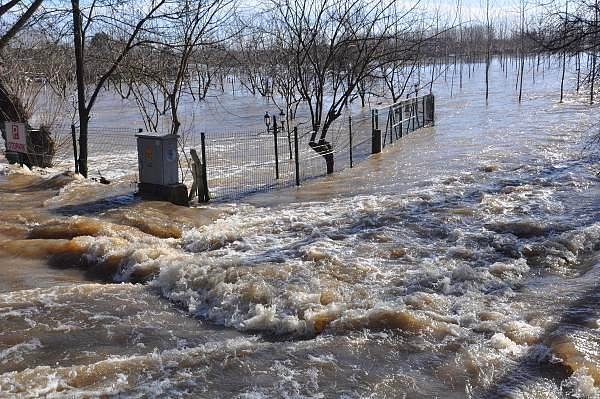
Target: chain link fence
<point>112,152</point>
<point>243,162</point>
<point>240,163</point>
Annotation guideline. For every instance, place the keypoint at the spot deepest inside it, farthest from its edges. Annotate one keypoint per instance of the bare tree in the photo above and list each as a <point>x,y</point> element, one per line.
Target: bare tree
<point>15,15</point>
<point>488,49</point>
<point>574,30</point>
<point>207,68</point>
<point>522,9</point>
<point>334,45</point>
<point>255,54</point>
<point>564,54</point>
<point>403,56</point>
<point>168,65</point>
<point>19,13</point>
<point>128,28</point>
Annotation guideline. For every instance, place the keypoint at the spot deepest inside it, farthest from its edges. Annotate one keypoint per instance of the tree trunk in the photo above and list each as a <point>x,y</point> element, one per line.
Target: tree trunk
<point>323,148</point>
<point>564,55</point>
<point>81,103</point>
<point>562,78</point>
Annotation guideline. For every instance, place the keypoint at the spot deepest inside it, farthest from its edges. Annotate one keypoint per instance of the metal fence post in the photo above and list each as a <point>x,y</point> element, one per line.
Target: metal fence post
<point>276,149</point>
<point>285,127</point>
<point>400,108</point>
<point>205,194</point>
<point>296,161</point>
<point>416,107</point>
<point>432,110</point>
<point>424,112</point>
<point>74,137</point>
<point>391,122</point>
<point>350,137</point>
<point>413,114</point>
<point>375,134</point>
<point>372,119</point>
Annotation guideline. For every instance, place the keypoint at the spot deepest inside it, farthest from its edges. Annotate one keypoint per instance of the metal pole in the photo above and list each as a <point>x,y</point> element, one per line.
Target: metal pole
<point>350,136</point>
<point>297,160</point>
<point>276,149</point>
<point>289,135</point>
<point>416,107</point>
<point>413,113</point>
<point>372,119</point>
<point>74,137</point>
<point>400,108</point>
<point>391,123</point>
<point>376,134</point>
<point>205,194</point>
<point>423,110</point>
<point>432,110</point>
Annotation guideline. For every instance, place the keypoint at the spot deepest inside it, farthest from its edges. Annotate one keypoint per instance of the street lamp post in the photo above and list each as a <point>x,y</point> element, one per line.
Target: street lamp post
<point>267,119</point>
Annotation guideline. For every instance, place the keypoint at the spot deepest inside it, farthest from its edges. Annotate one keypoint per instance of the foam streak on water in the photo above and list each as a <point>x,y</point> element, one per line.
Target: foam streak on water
<point>462,262</point>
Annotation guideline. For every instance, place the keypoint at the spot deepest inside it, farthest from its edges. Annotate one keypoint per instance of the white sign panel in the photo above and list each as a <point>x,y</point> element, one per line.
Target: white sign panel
<point>16,139</point>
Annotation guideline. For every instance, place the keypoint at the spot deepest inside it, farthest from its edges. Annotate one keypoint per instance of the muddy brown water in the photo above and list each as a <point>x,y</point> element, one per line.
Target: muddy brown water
<point>462,262</point>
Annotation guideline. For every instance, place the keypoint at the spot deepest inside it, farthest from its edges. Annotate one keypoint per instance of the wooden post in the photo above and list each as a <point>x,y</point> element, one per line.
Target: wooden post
<point>198,184</point>
<point>296,161</point>
<point>194,189</point>
<point>74,138</point>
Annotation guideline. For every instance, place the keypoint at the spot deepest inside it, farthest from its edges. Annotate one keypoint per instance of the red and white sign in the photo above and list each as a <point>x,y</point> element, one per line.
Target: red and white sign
<point>16,137</point>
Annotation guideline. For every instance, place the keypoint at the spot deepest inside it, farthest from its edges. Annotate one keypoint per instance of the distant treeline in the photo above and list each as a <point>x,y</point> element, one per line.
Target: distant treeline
<point>321,54</point>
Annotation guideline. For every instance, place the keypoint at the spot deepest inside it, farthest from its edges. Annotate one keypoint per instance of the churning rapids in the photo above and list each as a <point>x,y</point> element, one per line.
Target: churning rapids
<point>464,261</point>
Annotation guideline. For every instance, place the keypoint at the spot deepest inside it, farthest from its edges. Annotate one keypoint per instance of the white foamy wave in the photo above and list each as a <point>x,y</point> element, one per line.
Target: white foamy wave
<point>119,375</point>
<point>14,353</point>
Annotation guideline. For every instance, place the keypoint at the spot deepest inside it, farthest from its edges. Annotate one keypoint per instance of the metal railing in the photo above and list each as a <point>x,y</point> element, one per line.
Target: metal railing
<point>404,117</point>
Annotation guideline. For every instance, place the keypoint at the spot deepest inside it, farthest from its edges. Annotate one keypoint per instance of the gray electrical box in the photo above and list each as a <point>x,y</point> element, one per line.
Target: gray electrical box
<point>158,159</point>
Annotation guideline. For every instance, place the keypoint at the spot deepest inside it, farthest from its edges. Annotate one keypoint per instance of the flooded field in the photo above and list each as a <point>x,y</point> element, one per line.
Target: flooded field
<point>464,261</point>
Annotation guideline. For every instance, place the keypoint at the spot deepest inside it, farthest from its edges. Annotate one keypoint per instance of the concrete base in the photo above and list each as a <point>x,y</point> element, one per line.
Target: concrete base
<point>176,193</point>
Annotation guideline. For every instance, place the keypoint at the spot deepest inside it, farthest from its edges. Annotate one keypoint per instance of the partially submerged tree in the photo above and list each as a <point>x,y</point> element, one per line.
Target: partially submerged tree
<point>15,15</point>
<point>170,65</point>
<point>574,30</point>
<point>333,46</point>
<point>129,28</point>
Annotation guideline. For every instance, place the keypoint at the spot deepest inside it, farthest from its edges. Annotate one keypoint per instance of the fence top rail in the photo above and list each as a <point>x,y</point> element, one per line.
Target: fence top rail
<point>404,102</point>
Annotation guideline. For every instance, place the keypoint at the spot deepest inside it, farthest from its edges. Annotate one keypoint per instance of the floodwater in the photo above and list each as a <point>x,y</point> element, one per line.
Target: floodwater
<point>464,261</point>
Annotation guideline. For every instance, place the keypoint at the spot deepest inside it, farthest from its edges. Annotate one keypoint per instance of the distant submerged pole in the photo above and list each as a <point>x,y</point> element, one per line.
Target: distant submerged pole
<point>564,54</point>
